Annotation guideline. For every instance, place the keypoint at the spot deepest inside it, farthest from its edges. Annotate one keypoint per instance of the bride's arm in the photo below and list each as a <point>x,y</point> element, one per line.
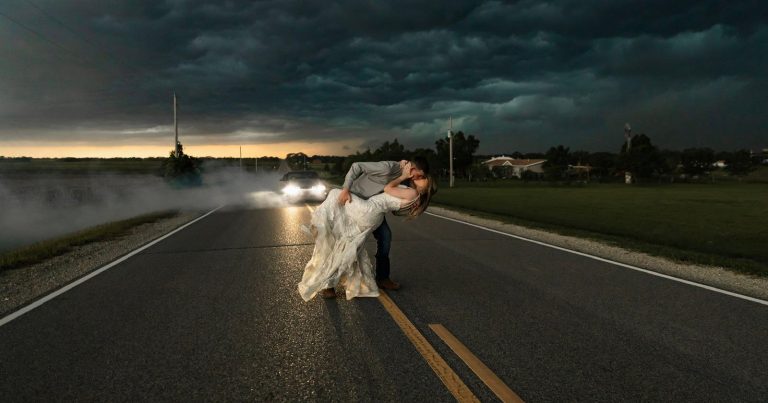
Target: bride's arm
<point>392,188</point>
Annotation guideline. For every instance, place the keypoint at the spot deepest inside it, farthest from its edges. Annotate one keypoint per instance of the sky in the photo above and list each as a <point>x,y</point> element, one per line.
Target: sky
<point>97,77</point>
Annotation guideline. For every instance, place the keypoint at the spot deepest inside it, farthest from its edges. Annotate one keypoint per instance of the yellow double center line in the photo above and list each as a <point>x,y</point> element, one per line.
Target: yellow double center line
<point>450,379</point>
<point>497,386</point>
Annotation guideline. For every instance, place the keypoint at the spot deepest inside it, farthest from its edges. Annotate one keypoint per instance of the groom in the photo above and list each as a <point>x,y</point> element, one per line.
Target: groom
<point>366,179</point>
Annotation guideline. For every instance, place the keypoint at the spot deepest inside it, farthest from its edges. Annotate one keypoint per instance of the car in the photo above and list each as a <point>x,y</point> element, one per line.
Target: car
<point>302,186</point>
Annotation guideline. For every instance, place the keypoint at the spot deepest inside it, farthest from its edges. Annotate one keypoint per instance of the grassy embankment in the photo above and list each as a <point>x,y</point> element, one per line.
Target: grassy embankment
<point>40,251</point>
<point>717,224</point>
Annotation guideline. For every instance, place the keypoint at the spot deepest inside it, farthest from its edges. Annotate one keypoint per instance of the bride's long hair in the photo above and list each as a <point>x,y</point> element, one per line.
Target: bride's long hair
<point>424,197</point>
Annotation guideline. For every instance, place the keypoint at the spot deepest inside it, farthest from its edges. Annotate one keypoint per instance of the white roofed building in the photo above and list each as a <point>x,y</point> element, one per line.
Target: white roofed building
<point>514,167</point>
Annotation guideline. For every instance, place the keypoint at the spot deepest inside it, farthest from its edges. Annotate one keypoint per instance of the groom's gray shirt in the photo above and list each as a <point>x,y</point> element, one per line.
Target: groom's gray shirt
<point>366,179</point>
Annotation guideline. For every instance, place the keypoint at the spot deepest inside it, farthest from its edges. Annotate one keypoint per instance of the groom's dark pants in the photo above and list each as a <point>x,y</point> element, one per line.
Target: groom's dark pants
<point>383,237</point>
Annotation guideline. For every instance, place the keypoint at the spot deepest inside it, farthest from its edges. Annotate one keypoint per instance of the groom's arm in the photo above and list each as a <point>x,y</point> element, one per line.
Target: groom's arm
<point>359,168</point>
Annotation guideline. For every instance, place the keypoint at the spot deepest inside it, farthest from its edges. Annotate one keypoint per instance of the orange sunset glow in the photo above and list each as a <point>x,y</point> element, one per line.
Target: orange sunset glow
<point>197,150</point>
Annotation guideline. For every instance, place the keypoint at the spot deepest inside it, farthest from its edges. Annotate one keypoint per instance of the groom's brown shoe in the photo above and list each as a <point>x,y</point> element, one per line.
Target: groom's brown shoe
<point>388,284</point>
<point>328,293</point>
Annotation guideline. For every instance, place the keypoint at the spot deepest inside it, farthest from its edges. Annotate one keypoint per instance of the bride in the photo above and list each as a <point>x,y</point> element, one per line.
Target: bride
<point>340,231</point>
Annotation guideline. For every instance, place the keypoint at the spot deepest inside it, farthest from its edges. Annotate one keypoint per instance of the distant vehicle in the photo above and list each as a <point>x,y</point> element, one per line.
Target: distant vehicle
<point>303,185</point>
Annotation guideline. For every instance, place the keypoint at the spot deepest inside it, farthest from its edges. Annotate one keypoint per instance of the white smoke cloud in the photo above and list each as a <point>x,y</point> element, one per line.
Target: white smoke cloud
<point>38,207</point>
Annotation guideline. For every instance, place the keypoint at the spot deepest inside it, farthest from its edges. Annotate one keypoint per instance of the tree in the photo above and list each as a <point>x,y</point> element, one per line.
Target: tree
<point>603,164</point>
<point>739,163</point>
<point>696,161</point>
<point>579,157</point>
<point>338,166</point>
<point>671,160</point>
<point>393,151</point>
<point>556,167</point>
<point>464,148</point>
<point>182,169</point>
<point>642,159</point>
<point>297,161</point>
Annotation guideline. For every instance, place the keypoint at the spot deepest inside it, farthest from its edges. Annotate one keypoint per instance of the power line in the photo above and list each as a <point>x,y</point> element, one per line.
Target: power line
<point>84,38</point>
<point>36,33</point>
<point>79,60</point>
<point>58,21</point>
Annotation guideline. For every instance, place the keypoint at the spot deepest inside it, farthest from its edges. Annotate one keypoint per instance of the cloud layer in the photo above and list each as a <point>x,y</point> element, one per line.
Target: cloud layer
<point>520,75</point>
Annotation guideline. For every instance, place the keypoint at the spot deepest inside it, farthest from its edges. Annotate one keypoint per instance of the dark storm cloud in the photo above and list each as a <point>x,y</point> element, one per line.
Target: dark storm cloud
<point>521,75</point>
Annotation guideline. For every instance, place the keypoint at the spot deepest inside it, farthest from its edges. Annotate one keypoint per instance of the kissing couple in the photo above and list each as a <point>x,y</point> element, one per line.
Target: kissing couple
<point>344,220</point>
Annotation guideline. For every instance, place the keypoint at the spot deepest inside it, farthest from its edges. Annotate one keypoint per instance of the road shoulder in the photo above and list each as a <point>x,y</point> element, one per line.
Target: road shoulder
<point>718,277</point>
<point>18,287</point>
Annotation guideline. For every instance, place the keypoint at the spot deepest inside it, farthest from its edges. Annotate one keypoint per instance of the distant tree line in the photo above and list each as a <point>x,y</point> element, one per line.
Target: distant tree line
<point>646,162</point>
<point>643,159</point>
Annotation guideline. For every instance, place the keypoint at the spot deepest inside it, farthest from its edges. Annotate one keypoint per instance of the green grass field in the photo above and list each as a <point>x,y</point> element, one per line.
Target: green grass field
<point>722,224</point>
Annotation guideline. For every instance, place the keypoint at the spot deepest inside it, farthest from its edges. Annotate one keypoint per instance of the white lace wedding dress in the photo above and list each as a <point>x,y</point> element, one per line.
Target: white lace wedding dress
<point>340,257</point>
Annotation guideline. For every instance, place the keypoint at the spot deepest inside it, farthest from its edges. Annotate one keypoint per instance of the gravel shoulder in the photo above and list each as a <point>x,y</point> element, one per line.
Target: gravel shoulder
<point>718,277</point>
<point>18,287</point>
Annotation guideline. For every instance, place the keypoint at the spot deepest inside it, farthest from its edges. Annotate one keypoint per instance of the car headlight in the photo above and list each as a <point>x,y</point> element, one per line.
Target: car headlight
<point>318,189</point>
<point>291,190</point>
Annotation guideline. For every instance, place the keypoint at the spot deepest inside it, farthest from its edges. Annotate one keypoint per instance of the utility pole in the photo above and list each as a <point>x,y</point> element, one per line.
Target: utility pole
<point>175,126</point>
<point>241,158</point>
<point>628,135</point>
<point>256,165</point>
<point>450,152</point>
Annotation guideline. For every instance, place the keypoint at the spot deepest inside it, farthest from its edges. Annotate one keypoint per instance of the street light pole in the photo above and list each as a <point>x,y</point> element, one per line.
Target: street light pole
<point>450,152</point>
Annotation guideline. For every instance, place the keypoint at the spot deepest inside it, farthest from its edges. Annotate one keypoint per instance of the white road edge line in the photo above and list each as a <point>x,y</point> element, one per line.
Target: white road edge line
<point>96,272</point>
<point>628,266</point>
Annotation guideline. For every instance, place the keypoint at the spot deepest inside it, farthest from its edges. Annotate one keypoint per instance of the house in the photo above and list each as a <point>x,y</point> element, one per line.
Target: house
<point>508,167</point>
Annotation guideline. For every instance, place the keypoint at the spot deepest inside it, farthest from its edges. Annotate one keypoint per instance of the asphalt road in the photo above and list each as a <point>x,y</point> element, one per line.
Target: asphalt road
<point>212,313</point>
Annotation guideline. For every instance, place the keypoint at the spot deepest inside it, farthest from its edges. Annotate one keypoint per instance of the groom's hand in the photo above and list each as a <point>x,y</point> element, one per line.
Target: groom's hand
<point>344,197</point>
<point>406,171</point>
